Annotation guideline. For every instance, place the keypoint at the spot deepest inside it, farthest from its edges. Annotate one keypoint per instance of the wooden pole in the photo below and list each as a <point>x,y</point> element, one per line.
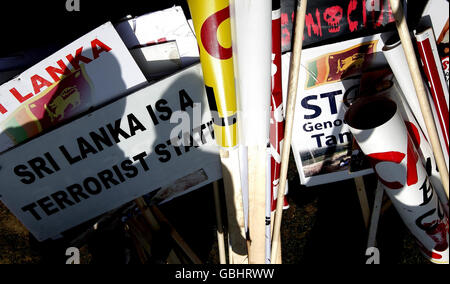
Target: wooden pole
<point>362,195</point>
<point>172,258</point>
<point>290,111</point>
<point>230,251</point>
<point>386,206</point>
<point>151,220</point>
<point>142,236</point>
<point>137,244</point>
<point>405,38</point>
<point>371,240</point>
<point>279,256</point>
<point>154,225</point>
<point>176,236</point>
<point>257,160</point>
<point>220,236</point>
<point>235,207</point>
<point>251,22</point>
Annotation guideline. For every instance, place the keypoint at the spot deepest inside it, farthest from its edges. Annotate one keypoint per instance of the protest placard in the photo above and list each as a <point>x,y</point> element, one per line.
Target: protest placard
<point>334,19</point>
<point>321,140</point>
<point>89,72</point>
<point>112,156</point>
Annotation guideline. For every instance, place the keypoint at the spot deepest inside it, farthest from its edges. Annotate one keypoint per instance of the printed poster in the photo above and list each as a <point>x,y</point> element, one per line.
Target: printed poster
<point>321,141</point>
<point>93,70</point>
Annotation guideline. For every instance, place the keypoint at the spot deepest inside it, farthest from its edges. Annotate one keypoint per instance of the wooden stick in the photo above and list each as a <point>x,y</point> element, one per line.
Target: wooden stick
<point>220,236</point>
<point>371,240</point>
<point>140,251</point>
<point>402,28</point>
<point>257,160</point>
<point>176,236</point>
<point>387,204</point>
<point>154,226</point>
<point>153,222</point>
<point>172,258</point>
<point>235,208</point>
<point>279,259</point>
<point>362,195</point>
<point>252,53</point>
<point>142,239</point>
<point>443,32</point>
<point>230,251</point>
<point>279,256</point>
<point>290,111</point>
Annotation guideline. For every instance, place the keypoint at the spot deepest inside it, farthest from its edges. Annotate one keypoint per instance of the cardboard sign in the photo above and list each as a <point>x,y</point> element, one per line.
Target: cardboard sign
<point>89,72</point>
<point>157,61</point>
<point>112,156</point>
<point>161,26</point>
<point>321,141</point>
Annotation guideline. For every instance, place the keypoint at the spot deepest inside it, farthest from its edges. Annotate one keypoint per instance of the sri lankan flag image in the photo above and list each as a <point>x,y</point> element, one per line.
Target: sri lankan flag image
<point>63,99</point>
<point>333,67</point>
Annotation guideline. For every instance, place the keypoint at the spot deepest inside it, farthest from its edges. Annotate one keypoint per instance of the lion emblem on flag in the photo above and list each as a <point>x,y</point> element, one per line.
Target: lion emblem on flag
<point>68,98</point>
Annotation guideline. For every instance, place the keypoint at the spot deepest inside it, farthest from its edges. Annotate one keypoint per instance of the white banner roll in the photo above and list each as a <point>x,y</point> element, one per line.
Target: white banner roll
<point>390,88</point>
<point>395,55</point>
<point>421,143</point>
<point>378,127</point>
<point>252,49</point>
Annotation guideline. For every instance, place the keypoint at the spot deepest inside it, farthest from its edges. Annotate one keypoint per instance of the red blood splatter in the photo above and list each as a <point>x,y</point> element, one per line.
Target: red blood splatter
<point>352,25</point>
<point>286,37</point>
<point>438,230</point>
<point>316,27</point>
<point>284,19</point>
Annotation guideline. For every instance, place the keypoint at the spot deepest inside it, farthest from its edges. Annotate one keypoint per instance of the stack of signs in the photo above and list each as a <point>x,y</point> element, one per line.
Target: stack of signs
<point>89,72</point>
<point>332,19</point>
<point>321,141</point>
<point>113,155</point>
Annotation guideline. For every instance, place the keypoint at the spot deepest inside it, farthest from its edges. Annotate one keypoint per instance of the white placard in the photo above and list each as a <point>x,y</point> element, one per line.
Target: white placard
<point>162,26</point>
<point>111,156</point>
<point>321,141</point>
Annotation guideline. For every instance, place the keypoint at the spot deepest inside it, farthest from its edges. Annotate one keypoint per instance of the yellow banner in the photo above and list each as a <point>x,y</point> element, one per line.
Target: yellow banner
<point>211,20</point>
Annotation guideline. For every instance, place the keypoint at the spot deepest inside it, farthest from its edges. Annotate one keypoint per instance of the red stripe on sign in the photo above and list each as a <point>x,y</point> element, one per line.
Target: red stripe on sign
<point>436,87</point>
<point>276,116</point>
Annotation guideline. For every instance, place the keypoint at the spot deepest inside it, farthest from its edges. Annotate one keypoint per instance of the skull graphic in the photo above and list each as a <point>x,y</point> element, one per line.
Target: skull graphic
<point>333,16</point>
